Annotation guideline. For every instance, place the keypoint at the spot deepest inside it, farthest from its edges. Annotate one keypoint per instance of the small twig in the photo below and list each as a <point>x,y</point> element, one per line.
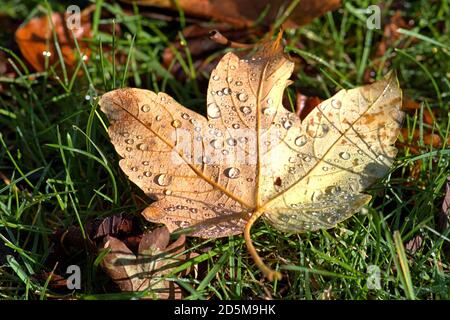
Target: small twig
<point>219,38</point>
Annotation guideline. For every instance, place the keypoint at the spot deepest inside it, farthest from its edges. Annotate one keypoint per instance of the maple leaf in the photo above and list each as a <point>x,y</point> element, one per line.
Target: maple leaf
<point>251,157</point>
<point>145,271</point>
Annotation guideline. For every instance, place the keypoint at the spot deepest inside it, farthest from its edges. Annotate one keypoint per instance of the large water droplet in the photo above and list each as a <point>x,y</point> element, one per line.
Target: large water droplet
<point>213,110</point>
<point>231,142</point>
<point>176,123</point>
<point>269,111</point>
<point>143,146</point>
<point>226,91</point>
<point>301,141</point>
<point>287,124</point>
<point>246,110</point>
<point>336,103</point>
<point>163,179</point>
<point>242,97</point>
<point>216,144</point>
<point>344,155</point>
<point>232,172</point>
<point>145,108</point>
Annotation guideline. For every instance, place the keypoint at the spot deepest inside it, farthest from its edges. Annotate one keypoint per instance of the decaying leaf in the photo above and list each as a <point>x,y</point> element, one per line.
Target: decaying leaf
<point>145,270</point>
<point>251,157</point>
<point>35,39</point>
<point>244,13</point>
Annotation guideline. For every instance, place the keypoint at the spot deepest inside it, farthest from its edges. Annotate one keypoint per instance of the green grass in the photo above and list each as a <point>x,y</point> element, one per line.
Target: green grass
<point>64,171</point>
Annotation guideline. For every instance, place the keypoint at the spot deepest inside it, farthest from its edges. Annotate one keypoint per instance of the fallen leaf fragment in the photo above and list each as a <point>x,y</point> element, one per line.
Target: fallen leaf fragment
<point>245,13</point>
<point>251,157</point>
<point>146,269</point>
<point>35,40</point>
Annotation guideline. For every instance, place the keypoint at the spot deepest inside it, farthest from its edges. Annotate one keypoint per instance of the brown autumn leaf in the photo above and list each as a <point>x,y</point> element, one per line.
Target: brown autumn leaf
<point>146,270</point>
<point>35,40</point>
<point>244,13</point>
<point>251,157</point>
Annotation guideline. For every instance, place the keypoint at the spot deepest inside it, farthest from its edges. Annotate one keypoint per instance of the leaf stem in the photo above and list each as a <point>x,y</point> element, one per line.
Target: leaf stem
<point>269,273</point>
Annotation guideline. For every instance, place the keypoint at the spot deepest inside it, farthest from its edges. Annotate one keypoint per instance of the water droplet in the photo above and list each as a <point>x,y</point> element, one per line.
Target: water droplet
<point>344,155</point>
<point>167,192</point>
<point>158,118</point>
<point>176,123</point>
<point>219,93</point>
<point>232,67</point>
<point>336,103</point>
<point>226,91</point>
<point>216,144</point>
<point>143,146</point>
<point>139,136</point>
<point>128,149</point>
<point>238,83</point>
<point>185,116</point>
<point>215,77</point>
<point>242,97</point>
<point>193,210</point>
<point>125,134</point>
<point>147,173</point>
<point>287,124</point>
<point>163,179</point>
<point>301,141</point>
<point>145,163</point>
<point>235,126</point>
<point>246,110</point>
<point>145,108</point>
<point>243,139</point>
<point>269,111</point>
<point>270,101</point>
<point>134,169</point>
<point>129,141</point>
<point>231,142</point>
<point>205,159</point>
<point>225,152</point>
<point>249,179</point>
<point>380,157</point>
<point>307,158</point>
<point>213,110</point>
<point>360,152</point>
<point>292,159</point>
<point>229,79</point>
<point>232,172</point>
<point>325,168</point>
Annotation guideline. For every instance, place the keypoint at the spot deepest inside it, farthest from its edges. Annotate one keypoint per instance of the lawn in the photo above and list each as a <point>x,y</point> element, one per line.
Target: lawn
<point>60,173</point>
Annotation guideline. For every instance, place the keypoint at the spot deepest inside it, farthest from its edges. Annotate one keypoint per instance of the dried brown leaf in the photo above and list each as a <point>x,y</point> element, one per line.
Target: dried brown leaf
<point>252,157</point>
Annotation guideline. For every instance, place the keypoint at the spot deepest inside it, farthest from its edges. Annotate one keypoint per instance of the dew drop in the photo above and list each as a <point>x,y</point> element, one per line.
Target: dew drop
<point>232,172</point>
<point>128,149</point>
<point>213,110</point>
<point>301,141</point>
<point>167,192</point>
<point>185,116</point>
<point>219,93</point>
<point>225,152</point>
<point>242,97</point>
<point>246,110</point>
<point>134,169</point>
<point>307,158</point>
<point>145,108</point>
<point>344,155</point>
<point>235,126</point>
<point>380,157</point>
<point>216,144</point>
<point>325,168</point>
<point>145,163</point>
<point>143,146</point>
<point>226,91</point>
<point>215,77</point>
<point>270,101</point>
<point>238,83</point>
<point>287,124</point>
<point>232,67</point>
<point>147,173</point>
<point>158,118</point>
<point>336,103</point>
<point>231,142</point>
<point>163,179</point>
<point>229,79</point>
<point>176,123</point>
<point>129,141</point>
